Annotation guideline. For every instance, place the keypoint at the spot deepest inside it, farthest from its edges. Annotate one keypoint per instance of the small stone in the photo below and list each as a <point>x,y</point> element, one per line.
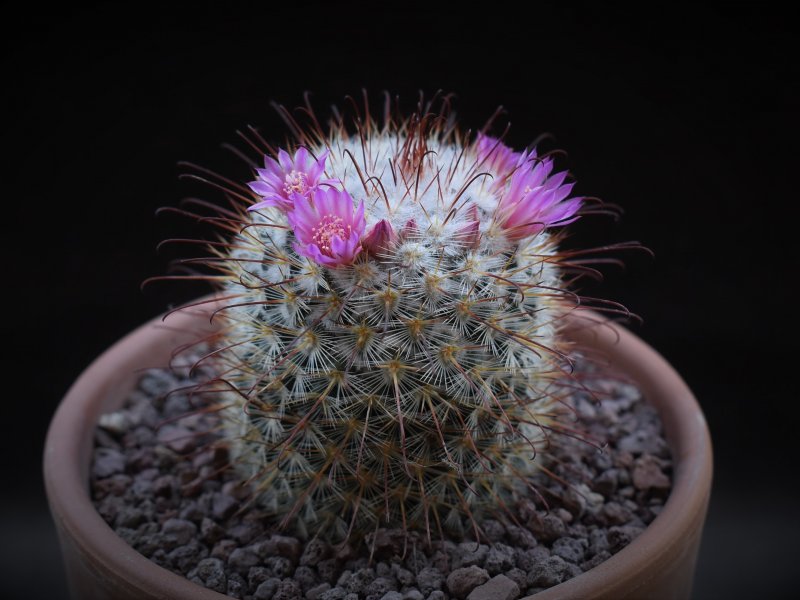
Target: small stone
<point>146,415</point>
<point>437,595</point>
<point>258,575</point>
<point>335,593</point>
<point>242,559</point>
<point>177,438</point>
<point>547,527</point>
<point>266,589</point>
<point>223,506</point>
<point>315,551</point>
<point>328,569</point>
<point>223,549</point>
<point>563,514</point>
<point>140,458</point>
<point>570,549</point>
<point>107,462</point>
<point>104,439</point>
<point>414,594</point>
<point>129,517</point>
<point>279,565</point>
<point>237,586</point>
<point>470,553</point>
<point>212,572</point>
<point>499,587</point>
<point>606,483</point>
<point>281,545</point>
<point>175,405</point>
<point>574,499</point>
<point>642,442</point>
<point>404,577</point>
<point>116,485</point>
<point>526,559</point>
<point>428,580</point>
<point>344,552</point>
<point>441,560</point>
<point>416,560</point>
<point>573,570</point>
<point>185,557</point>
<point>191,512</point>
<point>178,532</point>
<point>547,573</point>
<point>384,543</point>
<point>493,530</point>
<point>520,537</point>
<point>288,589</point>
<point>159,557</point>
<point>518,576</point>
<point>192,576</point>
<point>244,533</point>
<point>619,537</point>
<point>315,592</point>
<point>116,422</point>
<point>378,588</point>
<point>596,560</point>
<point>306,577</point>
<point>392,595</point>
<point>578,530</point>
<point>598,542</point>
<point>623,460</point>
<point>648,476</point>
<point>149,543</point>
<point>164,486</point>
<point>359,580</point>
<point>462,581</point>
<point>140,436</point>
<point>499,559</point>
<point>614,513</point>
<point>236,489</point>
<point>142,487</point>
<point>210,532</point>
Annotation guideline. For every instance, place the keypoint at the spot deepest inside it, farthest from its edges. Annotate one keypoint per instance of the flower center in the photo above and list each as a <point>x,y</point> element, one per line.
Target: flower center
<point>296,182</point>
<point>329,226</point>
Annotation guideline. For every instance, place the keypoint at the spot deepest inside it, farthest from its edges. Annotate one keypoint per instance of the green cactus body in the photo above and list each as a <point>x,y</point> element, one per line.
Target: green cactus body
<point>414,385</point>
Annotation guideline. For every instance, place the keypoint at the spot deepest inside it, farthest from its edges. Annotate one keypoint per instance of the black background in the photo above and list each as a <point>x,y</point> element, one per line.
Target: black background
<point>685,116</point>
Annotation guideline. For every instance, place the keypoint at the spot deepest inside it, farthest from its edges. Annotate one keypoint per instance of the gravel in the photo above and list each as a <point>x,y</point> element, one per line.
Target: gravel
<point>158,479</point>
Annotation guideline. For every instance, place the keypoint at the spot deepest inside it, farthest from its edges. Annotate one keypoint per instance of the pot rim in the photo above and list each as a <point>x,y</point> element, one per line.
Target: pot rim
<point>67,456</point>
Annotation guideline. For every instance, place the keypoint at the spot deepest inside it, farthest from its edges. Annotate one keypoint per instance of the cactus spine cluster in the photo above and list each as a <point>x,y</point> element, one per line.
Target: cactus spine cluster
<point>394,364</point>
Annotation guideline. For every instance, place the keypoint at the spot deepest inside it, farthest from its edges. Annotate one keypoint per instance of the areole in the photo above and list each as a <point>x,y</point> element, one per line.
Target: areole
<point>658,564</point>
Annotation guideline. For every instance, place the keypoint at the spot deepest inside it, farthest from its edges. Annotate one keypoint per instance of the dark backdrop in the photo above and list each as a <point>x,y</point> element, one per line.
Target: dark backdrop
<point>687,117</point>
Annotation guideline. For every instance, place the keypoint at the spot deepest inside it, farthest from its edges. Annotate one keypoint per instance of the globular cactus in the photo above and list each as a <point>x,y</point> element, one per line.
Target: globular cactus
<point>393,300</point>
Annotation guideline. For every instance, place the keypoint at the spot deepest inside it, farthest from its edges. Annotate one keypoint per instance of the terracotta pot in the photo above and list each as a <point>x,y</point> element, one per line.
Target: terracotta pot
<point>658,564</point>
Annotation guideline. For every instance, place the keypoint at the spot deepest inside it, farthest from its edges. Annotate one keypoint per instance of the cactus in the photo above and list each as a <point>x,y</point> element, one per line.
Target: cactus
<point>392,306</point>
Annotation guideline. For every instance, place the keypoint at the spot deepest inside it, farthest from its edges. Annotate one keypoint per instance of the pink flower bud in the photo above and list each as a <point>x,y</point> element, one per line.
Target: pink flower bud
<point>410,229</point>
<point>469,234</point>
<point>379,238</point>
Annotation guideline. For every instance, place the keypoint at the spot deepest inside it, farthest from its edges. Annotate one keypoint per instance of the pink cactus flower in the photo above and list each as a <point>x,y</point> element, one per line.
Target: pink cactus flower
<point>327,228</point>
<point>500,160</point>
<point>284,180</point>
<point>535,200</point>
<point>494,155</point>
<point>379,238</point>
